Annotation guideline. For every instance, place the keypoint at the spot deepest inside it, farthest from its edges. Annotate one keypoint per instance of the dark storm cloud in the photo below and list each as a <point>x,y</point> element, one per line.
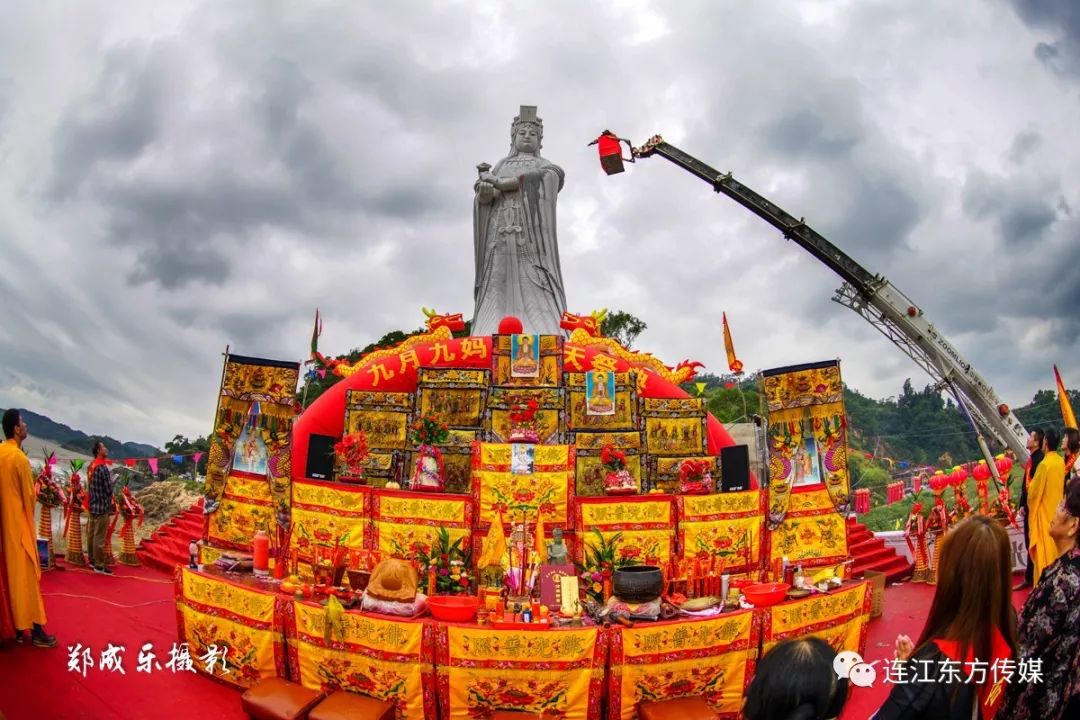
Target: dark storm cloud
<point>804,132</point>
<point>116,119</point>
<point>1020,216</point>
<point>1062,19</point>
<point>1023,145</point>
<point>229,186</point>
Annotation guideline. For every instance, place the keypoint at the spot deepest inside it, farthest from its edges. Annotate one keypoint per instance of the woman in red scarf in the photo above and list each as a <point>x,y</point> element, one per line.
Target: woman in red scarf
<point>971,625</point>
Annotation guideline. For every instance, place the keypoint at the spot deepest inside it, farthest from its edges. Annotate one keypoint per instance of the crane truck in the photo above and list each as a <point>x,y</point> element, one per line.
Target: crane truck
<point>869,295</point>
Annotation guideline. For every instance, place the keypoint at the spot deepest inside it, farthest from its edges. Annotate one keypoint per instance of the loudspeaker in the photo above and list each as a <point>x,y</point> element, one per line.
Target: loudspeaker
<point>734,468</point>
<point>320,457</point>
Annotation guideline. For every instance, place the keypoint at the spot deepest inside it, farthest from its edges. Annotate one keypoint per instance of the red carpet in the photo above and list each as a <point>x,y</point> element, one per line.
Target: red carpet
<point>136,606</point>
<point>871,553</point>
<point>168,546</point>
<point>129,609</point>
<point>905,609</point>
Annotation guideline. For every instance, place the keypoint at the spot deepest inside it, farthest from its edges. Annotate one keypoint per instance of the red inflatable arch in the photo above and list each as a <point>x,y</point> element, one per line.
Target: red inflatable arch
<point>396,371</point>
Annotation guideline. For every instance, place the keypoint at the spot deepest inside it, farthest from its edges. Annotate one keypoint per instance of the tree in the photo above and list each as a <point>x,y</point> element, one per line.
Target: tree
<point>622,326</point>
<point>180,445</point>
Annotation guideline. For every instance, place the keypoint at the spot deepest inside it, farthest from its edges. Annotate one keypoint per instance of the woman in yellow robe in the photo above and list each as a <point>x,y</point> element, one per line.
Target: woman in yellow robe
<point>17,501</point>
<point>1044,495</point>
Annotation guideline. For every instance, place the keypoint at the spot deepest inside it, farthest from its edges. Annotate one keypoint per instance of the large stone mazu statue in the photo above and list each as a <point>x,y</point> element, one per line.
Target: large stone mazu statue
<point>517,251</point>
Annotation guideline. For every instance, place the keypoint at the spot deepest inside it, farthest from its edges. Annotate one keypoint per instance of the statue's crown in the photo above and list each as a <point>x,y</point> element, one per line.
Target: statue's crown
<point>527,114</point>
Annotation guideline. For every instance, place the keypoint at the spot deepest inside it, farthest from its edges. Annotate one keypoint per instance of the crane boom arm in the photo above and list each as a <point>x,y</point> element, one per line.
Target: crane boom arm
<point>875,299</point>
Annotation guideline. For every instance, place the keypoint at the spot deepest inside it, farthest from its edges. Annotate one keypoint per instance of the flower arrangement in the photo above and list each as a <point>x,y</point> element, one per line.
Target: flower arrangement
<point>524,412</point>
<point>695,477</point>
<point>352,450</point>
<point>601,559</point>
<point>612,458</point>
<point>445,559</point>
<point>128,505</point>
<point>619,481</point>
<point>49,492</point>
<point>428,430</point>
<point>523,423</point>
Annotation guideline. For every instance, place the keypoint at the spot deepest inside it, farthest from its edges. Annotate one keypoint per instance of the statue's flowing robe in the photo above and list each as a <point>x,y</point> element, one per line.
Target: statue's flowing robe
<point>21,562</point>
<point>517,251</point>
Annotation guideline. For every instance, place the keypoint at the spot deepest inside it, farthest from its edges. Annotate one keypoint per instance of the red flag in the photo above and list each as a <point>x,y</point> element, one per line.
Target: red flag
<point>734,363</point>
<point>130,462</point>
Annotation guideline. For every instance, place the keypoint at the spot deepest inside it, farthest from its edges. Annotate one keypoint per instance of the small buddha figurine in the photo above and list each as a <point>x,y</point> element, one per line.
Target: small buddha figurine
<point>556,549</point>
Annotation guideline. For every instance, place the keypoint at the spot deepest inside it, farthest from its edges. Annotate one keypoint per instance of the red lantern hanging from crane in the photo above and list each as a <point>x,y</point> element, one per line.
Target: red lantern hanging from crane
<point>611,158</point>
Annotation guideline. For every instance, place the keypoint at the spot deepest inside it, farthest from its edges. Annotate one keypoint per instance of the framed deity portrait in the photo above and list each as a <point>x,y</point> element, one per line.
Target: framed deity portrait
<point>599,392</point>
<point>522,459</point>
<point>249,454</point>
<point>806,463</point>
<point>525,356</point>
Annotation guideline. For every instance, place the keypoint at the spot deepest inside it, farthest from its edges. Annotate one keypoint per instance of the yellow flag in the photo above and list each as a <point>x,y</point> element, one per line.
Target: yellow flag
<point>494,545</point>
<point>734,363</point>
<point>700,387</point>
<point>1067,414</point>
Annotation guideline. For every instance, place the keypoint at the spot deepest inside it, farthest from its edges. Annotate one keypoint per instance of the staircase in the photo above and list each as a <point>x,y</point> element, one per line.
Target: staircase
<point>168,546</point>
<point>871,553</point>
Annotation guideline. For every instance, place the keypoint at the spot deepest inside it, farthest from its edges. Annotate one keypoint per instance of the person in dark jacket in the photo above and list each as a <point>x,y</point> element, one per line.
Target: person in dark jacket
<point>796,681</point>
<point>1050,628</point>
<point>101,507</point>
<point>1034,446</point>
<point>971,624</point>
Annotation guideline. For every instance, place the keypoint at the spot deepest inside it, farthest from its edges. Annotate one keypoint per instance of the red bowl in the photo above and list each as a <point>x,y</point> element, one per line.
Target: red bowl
<point>453,608</point>
<point>765,594</point>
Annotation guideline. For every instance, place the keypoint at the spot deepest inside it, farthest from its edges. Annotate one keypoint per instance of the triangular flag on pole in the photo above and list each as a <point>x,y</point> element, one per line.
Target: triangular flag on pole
<point>152,462</point>
<point>130,462</point>
<point>700,387</point>
<point>315,333</point>
<point>734,364</point>
<point>1067,414</point>
<point>178,459</point>
<point>197,457</point>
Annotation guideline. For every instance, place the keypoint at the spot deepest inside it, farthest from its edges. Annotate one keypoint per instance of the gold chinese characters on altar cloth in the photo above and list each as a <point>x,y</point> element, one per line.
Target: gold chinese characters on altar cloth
<point>712,659</point>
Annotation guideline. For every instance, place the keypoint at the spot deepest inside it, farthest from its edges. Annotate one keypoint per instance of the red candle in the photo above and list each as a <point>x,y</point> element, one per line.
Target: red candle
<point>261,548</point>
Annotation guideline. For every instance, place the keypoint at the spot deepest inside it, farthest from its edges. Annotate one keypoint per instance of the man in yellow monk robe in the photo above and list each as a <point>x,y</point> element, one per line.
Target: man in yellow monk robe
<point>1044,496</point>
<point>17,500</point>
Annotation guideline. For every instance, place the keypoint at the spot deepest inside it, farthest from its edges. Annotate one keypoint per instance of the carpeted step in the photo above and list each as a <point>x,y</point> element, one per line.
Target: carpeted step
<point>872,553</point>
<point>167,546</point>
<point>882,553</point>
<point>895,568</point>
<point>866,546</point>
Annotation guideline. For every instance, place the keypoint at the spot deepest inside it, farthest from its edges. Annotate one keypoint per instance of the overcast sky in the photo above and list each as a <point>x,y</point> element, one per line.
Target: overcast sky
<point>178,176</point>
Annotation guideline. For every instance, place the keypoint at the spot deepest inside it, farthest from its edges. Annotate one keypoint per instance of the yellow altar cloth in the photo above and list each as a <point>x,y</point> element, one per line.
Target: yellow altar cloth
<point>839,617</point>
<point>712,657</point>
<point>239,621</point>
<point>375,655</point>
<point>559,672</point>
